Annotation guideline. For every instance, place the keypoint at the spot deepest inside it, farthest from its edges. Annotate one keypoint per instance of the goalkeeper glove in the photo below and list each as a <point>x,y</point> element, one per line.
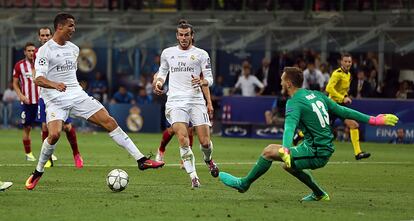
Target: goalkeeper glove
<point>383,119</point>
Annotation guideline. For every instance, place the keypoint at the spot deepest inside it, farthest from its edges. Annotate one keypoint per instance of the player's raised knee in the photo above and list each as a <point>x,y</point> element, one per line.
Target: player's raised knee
<point>271,150</point>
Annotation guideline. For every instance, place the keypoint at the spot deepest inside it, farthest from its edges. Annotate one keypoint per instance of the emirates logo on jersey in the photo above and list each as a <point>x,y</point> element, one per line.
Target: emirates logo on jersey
<point>67,66</point>
<point>42,61</point>
<point>182,67</point>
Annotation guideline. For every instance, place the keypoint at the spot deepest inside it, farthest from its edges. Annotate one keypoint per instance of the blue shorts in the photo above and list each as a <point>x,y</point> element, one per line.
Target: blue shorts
<point>29,114</point>
<point>41,116</point>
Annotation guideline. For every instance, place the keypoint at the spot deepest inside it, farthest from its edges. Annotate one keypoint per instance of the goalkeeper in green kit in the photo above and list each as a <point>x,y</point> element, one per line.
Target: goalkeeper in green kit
<point>306,110</point>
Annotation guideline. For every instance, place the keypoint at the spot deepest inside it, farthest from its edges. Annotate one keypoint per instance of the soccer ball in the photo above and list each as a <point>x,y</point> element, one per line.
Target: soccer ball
<point>117,180</point>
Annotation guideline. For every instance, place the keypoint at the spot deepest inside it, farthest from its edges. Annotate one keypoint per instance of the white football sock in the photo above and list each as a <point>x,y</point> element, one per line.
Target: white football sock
<point>123,140</point>
<point>207,151</point>
<point>45,154</point>
<point>188,159</point>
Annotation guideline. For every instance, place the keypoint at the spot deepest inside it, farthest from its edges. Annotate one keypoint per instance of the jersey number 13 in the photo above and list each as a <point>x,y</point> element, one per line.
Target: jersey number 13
<point>323,116</point>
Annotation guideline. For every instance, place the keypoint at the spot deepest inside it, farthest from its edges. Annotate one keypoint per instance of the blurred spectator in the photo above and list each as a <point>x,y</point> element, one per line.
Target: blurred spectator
<point>263,72</point>
<point>9,96</point>
<point>273,78</point>
<point>156,65</point>
<point>373,83</point>
<point>370,62</point>
<point>217,91</point>
<point>360,87</point>
<point>300,63</point>
<point>143,97</point>
<point>400,139</point>
<point>248,83</point>
<point>99,88</point>
<point>403,90</point>
<point>276,116</point>
<point>122,96</point>
<point>84,85</point>
<point>146,83</point>
<point>313,78</point>
<point>325,73</point>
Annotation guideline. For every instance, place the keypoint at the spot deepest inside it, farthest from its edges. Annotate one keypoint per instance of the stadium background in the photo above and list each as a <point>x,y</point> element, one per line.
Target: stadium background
<point>122,39</point>
<point>126,35</point>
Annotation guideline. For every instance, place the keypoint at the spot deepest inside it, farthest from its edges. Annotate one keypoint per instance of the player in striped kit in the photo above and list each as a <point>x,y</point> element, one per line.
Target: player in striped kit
<point>28,92</point>
<point>185,63</point>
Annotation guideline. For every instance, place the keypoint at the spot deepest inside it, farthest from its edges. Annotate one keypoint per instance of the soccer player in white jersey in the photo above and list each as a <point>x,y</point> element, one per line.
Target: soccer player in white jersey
<point>44,35</point>
<point>56,65</point>
<point>185,63</point>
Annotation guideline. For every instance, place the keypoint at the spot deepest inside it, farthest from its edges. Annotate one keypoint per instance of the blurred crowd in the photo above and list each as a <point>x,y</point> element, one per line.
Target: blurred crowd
<point>235,5</point>
<point>252,81</point>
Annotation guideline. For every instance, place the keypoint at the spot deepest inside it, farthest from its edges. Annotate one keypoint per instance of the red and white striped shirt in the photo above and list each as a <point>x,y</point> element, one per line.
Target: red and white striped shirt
<point>24,71</point>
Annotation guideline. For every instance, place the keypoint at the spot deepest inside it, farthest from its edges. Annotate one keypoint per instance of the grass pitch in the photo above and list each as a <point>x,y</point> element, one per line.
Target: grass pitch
<point>380,188</point>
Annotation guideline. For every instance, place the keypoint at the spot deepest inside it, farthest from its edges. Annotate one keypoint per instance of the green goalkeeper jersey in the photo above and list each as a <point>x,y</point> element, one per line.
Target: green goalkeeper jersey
<point>308,110</point>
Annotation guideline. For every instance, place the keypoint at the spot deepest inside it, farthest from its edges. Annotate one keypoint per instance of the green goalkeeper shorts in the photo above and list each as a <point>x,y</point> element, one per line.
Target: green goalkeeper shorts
<point>304,157</point>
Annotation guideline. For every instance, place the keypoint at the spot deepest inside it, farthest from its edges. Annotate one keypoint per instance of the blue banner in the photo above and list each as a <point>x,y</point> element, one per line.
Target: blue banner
<point>246,109</point>
<point>389,134</point>
<point>143,118</point>
<point>250,111</point>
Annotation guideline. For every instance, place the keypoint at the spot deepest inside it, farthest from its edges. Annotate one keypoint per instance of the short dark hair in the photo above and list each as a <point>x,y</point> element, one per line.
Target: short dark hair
<point>28,44</point>
<point>50,30</point>
<point>61,19</point>
<point>345,55</point>
<point>295,75</point>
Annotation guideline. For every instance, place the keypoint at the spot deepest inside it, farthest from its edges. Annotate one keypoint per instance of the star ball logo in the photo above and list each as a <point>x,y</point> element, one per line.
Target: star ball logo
<point>42,61</point>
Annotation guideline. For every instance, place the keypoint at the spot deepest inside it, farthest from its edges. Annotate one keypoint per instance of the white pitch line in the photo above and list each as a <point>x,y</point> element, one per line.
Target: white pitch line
<point>200,164</point>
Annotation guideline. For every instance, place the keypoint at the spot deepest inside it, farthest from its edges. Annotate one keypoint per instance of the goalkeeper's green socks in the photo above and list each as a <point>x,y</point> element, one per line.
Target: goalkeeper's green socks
<point>262,165</point>
<point>306,178</point>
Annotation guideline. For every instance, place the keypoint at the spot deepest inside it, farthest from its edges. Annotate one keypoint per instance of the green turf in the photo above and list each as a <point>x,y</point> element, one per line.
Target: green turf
<point>380,188</point>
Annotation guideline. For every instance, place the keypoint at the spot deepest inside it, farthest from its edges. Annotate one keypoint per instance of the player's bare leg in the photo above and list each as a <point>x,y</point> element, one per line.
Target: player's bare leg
<point>103,119</point>
<point>187,155</point>
<point>206,147</point>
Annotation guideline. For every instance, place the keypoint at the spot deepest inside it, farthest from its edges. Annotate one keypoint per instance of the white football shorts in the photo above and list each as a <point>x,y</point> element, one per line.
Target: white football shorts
<point>82,106</point>
<point>194,113</point>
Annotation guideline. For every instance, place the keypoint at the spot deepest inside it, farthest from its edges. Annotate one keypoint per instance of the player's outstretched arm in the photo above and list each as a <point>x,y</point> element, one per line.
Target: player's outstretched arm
<point>348,113</point>
<point>45,83</point>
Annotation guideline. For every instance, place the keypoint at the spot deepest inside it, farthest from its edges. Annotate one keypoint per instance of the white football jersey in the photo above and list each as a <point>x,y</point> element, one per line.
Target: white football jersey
<point>182,66</point>
<point>58,63</point>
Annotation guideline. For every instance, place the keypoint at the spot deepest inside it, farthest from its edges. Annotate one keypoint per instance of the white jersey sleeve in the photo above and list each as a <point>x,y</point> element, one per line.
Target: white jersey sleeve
<point>164,66</point>
<point>41,62</point>
<point>206,67</point>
